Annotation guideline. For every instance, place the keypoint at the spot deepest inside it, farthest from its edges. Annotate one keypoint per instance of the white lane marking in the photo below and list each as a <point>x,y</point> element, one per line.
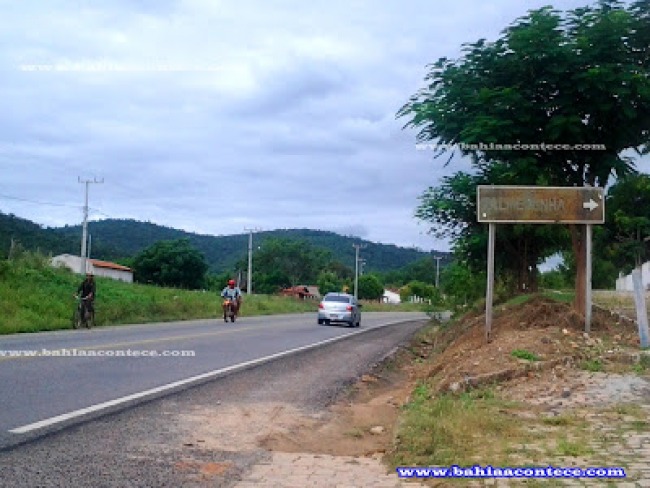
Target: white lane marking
<point>229,369</point>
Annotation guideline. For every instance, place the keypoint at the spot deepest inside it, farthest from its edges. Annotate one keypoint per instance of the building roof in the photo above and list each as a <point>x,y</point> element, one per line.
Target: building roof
<point>107,264</point>
<point>311,291</point>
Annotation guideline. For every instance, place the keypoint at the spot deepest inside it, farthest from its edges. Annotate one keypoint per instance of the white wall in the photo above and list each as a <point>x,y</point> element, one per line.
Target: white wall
<point>391,297</point>
<point>624,283</point>
<point>75,263</point>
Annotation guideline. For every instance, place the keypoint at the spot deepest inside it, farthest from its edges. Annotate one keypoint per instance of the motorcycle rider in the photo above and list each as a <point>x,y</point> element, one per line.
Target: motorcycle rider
<point>232,293</point>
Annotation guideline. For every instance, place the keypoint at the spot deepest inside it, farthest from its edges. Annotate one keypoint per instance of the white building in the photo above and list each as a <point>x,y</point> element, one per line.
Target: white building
<point>391,297</point>
<point>95,266</point>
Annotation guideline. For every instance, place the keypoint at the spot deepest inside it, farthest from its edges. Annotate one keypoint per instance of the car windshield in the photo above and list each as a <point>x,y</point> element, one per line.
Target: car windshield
<point>335,298</point>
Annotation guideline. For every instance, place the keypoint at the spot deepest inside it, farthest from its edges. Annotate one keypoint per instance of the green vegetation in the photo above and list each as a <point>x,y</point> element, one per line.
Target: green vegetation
<point>370,287</point>
<point>593,365</point>
<point>523,354</point>
<point>451,429</point>
<point>573,448</point>
<point>619,244</point>
<point>172,264</point>
<point>554,77</point>
<point>34,297</point>
<point>125,238</point>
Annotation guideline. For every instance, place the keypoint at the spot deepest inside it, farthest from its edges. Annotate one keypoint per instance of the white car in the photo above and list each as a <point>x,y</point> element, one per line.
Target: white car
<point>339,307</point>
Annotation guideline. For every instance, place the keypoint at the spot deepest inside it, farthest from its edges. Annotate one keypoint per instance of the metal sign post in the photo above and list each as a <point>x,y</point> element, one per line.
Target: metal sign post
<point>489,297</point>
<point>588,278</point>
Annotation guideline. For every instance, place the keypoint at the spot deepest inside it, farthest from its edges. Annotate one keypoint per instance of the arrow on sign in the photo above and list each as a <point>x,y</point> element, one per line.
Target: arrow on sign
<point>591,205</point>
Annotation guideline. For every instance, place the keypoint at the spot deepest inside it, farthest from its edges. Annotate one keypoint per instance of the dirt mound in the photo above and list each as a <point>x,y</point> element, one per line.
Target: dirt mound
<point>536,334</point>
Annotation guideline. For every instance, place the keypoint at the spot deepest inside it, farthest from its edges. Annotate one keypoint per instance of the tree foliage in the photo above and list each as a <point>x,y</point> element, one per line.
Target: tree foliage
<point>281,263</point>
<point>329,281</point>
<point>421,290</point>
<point>620,244</point>
<point>451,209</point>
<point>370,287</point>
<point>424,270</point>
<point>558,79</point>
<point>462,284</point>
<point>171,263</point>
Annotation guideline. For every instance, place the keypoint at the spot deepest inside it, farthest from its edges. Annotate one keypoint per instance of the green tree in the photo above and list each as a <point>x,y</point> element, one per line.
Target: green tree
<point>370,287</point>
<point>554,279</point>
<point>329,282</point>
<point>421,290</point>
<point>461,284</point>
<point>171,263</point>
<point>451,209</point>
<point>627,222</point>
<point>573,79</point>
<point>287,262</point>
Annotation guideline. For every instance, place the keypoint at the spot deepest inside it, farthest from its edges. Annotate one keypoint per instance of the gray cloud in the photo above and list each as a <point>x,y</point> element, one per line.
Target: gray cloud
<point>283,113</point>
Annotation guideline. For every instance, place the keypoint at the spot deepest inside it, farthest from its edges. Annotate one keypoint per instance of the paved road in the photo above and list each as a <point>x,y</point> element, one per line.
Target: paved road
<point>157,444</point>
<point>45,393</point>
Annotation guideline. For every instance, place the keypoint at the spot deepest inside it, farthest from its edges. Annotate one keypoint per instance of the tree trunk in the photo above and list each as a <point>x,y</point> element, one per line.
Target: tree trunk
<point>579,244</point>
<point>527,273</point>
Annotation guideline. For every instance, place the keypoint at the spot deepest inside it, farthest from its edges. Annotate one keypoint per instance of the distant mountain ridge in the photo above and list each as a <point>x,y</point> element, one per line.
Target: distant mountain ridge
<point>115,239</point>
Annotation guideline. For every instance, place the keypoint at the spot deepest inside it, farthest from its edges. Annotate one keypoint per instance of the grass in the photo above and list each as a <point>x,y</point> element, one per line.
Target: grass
<point>480,427</point>
<point>450,429</point>
<point>36,297</point>
<point>593,365</point>
<point>523,354</point>
<point>563,296</point>
<point>573,448</point>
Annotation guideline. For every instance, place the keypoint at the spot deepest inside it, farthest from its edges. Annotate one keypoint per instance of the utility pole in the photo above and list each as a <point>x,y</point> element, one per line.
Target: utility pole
<point>84,234</point>
<point>249,283</point>
<point>356,268</point>
<point>437,258</point>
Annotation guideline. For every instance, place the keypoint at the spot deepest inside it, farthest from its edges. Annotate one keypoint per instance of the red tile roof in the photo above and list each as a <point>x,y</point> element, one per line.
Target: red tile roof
<point>106,264</point>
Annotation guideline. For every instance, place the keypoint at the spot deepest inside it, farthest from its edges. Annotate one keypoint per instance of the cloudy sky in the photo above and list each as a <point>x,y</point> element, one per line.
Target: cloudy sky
<point>215,116</point>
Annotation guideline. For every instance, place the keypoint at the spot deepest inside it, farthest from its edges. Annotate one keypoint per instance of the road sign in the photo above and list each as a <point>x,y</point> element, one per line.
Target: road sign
<point>540,204</point>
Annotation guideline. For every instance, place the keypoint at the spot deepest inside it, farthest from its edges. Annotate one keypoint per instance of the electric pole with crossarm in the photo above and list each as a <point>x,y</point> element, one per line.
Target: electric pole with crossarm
<point>356,268</point>
<point>249,282</point>
<point>84,233</point>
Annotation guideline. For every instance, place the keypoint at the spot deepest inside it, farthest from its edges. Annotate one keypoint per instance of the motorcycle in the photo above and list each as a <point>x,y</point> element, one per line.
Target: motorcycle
<point>229,310</point>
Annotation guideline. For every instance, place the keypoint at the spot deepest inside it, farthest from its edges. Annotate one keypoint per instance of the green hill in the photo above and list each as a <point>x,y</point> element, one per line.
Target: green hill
<point>222,252</point>
<point>117,239</point>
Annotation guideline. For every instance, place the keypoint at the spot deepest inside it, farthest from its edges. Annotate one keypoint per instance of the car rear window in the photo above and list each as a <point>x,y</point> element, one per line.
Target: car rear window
<point>335,298</point>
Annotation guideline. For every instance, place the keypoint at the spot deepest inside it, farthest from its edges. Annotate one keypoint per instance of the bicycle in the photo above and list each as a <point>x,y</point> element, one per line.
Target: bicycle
<point>83,316</point>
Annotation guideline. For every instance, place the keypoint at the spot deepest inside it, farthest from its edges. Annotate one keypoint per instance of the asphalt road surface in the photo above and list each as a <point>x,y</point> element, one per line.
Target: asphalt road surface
<point>53,380</point>
<point>145,445</point>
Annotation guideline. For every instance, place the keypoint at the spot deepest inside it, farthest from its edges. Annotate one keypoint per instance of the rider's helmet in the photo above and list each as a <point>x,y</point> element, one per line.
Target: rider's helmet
<point>231,283</point>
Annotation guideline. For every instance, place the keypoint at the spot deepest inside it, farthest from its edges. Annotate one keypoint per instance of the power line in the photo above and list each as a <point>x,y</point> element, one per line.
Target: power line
<point>9,197</point>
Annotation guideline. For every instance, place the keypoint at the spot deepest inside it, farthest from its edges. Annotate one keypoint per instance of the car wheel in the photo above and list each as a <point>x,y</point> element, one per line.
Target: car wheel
<point>320,322</point>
